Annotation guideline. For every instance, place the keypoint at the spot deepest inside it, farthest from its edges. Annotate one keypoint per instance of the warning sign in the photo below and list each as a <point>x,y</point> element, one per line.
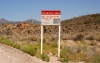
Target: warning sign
<point>50,17</point>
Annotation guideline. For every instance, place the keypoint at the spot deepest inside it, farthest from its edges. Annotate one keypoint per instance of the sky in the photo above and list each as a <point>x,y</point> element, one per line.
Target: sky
<point>20,10</point>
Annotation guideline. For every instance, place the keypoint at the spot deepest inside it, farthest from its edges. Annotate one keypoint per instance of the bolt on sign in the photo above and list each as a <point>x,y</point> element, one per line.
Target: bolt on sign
<point>50,17</point>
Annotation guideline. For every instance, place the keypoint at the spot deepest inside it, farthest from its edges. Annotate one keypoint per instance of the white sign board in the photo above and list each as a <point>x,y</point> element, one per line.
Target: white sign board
<point>50,17</point>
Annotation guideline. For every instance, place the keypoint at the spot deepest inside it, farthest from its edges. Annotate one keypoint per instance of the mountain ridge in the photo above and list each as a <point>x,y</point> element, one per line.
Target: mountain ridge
<point>32,21</point>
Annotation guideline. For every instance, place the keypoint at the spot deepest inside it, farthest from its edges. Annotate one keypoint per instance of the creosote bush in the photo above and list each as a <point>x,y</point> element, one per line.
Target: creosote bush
<point>45,57</point>
<point>79,37</point>
<point>64,55</point>
<point>90,38</point>
<point>64,60</point>
<point>64,52</point>
<point>96,58</point>
<point>30,49</point>
<point>9,43</point>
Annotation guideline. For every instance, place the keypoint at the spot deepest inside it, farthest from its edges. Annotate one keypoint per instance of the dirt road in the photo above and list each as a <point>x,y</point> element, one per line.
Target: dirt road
<point>12,55</point>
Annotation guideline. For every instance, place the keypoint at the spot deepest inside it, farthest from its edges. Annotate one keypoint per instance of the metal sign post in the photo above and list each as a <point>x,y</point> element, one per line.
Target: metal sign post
<point>50,17</point>
<point>59,42</point>
<point>41,38</point>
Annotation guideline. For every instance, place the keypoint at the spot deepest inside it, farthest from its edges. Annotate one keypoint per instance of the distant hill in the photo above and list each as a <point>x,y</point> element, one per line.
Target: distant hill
<point>3,21</point>
<point>33,21</point>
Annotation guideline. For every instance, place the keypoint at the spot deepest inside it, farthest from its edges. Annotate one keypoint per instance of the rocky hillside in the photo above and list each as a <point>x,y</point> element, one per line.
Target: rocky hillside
<point>88,25</point>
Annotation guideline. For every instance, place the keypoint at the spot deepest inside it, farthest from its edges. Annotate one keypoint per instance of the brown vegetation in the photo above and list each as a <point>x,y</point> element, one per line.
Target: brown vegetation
<point>80,38</point>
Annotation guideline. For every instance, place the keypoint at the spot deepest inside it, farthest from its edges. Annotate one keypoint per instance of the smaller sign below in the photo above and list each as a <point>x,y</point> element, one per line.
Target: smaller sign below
<point>50,17</point>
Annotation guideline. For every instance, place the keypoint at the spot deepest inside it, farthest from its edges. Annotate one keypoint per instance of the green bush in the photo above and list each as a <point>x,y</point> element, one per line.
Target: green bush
<point>96,58</point>
<point>64,55</point>
<point>9,43</point>
<point>54,44</point>
<point>30,49</point>
<point>46,48</point>
<point>64,52</point>
<point>6,41</point>
<point>81,47</point>
<point>45,57</point>
<point>54,51</point>
<point>17,46</point>
<point>64,60</point>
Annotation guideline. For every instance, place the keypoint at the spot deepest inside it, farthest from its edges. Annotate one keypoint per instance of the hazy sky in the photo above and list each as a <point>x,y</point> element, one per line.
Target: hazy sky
<point>19,10</point>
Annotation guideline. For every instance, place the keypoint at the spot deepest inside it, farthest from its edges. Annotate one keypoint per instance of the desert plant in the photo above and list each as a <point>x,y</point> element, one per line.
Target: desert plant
<point>79,37</point>
<point>96,58</point>
<point>34,38</point>
<point>54,51</point>
<point>30,49</point>
<point>46,48</point>
<point>54,44</point>
<point>45,57</point>
<point>81,47</point>
<point>90,38</point>
<point>6,41</point>
<point>17,46</point>
<point>64,60</point>
<point>64,52</point>
<point>98,39</point>
<point>9,43</point>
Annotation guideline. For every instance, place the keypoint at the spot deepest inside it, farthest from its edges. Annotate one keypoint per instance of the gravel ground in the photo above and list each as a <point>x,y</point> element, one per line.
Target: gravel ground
<point>12,55</point>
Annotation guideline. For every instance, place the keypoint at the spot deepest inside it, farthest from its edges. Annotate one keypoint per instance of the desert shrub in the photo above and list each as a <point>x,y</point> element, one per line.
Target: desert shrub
<point>64,52</point>
<point>33,38</point>
<point>46,48</point>
<point>9,43</point>
<point>81,47</point>
<point>38,45</point>
<point>79,37</point>
<point>81,56</point>
<point>61,46</point>
<point>98,39</point>
<point>45,57</point>
<point>90,38</point>
<point>96,58</point>
<point>24,39</point>
<point>53,38</point>
<point>64,60</point>
<point>54,51</point>
<point>54,44</point>
<point>30,49</point>
<point>38,55</point>
<point>17,46</point>
<point>6,41</point>
<point>44,40</point>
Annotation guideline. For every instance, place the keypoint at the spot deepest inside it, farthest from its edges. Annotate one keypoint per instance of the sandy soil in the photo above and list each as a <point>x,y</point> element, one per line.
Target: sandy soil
<point>12,55</point>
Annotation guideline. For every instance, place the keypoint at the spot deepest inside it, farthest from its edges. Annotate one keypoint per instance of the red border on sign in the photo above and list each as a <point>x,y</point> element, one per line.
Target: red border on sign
<point>50,12</point>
